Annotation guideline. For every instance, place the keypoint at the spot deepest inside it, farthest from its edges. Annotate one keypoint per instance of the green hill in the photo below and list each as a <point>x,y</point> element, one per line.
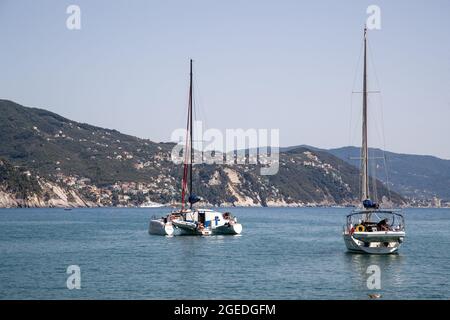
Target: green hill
<point>17,181</point>
<point>106,167</point>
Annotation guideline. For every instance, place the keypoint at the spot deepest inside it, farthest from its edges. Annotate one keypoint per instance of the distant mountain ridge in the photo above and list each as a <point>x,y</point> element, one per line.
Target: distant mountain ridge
<point>414,176</point>
<point>76,164</point>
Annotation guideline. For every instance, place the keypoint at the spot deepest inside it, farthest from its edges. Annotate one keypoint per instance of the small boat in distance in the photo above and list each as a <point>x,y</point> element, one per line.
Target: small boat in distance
<point>370,229</point>
<point>190,221</point>
<point>150,204</point>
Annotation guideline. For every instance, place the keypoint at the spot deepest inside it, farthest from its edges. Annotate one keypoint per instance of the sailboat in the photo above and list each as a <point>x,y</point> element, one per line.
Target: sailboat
<point>188,220</point>
<point>370,229</point>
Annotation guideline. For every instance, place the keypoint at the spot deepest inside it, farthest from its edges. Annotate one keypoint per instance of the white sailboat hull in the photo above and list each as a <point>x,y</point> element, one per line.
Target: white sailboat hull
<point>186,228</point>
<point>161,228</point>
<point>379,236</point>
<point>372,247</point>
<point>235,228</point>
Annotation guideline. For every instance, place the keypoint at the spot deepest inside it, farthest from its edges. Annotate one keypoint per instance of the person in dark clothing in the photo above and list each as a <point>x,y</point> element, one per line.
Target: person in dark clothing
<point>383,225</point>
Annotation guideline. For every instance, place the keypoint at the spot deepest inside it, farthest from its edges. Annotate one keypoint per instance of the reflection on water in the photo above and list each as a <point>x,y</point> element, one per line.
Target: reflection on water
<point>391,267</point>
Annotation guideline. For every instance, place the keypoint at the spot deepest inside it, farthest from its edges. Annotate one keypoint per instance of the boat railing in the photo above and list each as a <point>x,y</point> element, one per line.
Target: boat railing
<point>387,211</point>
<point>372,226</point>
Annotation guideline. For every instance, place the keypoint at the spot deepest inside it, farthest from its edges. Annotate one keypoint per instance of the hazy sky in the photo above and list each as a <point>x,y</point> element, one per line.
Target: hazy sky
<point>258,64</point>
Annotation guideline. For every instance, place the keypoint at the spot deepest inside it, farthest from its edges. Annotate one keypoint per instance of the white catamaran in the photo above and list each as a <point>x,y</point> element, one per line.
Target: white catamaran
<point>190,221</point>
<point>371,229</point>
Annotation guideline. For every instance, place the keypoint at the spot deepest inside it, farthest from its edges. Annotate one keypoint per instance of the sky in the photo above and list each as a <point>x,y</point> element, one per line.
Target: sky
<point>287,65</point>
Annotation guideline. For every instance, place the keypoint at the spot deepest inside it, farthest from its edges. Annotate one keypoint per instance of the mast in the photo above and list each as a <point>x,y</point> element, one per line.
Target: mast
<point>364,149</point>
<point>188,150</point>
<point>190,132</point>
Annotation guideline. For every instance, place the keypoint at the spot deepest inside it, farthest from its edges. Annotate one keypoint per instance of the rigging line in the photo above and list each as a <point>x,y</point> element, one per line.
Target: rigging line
<point>375,161</point>
<point>353,87</point>
<point>359,185</point>
<point>359,195</point>
<point>379,136</point>
<point>355,128</point>
<point>195,115</point>
<point>383,136</point>
<point>350,123</point>
<point>200,103</point>
<point>199,115</point>
<point>384,150</point>
<point>378,217</point>
<point>374,178</point>
<point>191,132</point>
<point>357,64</point>
<point>374,122</point>
<point>187,152</point>
<point>356,125</point>
<point>186,159</point>
<point>181,116</point>
<point>378,126</point>
<point>202,113</point>
<point>351,120</point>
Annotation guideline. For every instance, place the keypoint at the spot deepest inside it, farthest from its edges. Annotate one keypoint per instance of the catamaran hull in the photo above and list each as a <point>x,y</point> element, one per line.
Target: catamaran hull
<point>200,222</point>
<point>357,246</point>
<point>185,228</point>
<point>190,229</point>
<point>235,228</point>
<point>158,227</point>
<point>181,231</point>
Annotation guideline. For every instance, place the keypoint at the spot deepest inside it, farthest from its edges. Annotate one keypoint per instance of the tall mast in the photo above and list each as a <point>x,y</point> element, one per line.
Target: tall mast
<point>364,149</point>
<point>190,133</point>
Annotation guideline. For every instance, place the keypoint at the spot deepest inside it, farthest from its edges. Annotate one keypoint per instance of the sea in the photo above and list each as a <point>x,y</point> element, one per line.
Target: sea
<point>282,253</point>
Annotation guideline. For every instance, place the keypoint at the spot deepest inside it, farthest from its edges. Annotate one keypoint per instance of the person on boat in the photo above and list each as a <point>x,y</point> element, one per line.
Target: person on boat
<point>383,225</point>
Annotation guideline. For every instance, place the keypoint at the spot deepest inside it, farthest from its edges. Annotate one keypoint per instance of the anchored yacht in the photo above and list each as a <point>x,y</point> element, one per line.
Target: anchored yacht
<point>192,221</point>
<point>201,222</point>
<point>371,229</point>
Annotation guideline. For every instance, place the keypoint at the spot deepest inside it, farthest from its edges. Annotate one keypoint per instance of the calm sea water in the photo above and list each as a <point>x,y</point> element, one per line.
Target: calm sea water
<point>285,253</point>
